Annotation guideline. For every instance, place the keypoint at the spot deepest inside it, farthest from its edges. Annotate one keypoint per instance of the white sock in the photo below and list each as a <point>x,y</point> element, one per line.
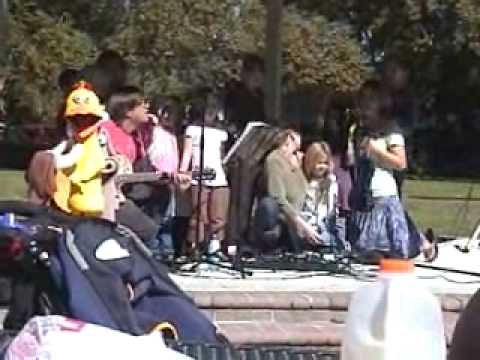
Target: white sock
<point>214,246</point>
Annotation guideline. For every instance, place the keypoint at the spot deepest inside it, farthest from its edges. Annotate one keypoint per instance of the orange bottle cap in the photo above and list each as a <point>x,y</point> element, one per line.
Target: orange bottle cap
<point>396,266</point>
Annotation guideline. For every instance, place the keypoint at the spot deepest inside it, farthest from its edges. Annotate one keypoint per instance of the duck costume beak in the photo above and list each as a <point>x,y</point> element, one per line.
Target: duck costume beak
<point>84,109</point>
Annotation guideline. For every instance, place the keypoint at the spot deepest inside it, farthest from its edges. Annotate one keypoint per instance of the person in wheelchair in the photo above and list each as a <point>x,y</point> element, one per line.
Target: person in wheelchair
<point>94,271</point>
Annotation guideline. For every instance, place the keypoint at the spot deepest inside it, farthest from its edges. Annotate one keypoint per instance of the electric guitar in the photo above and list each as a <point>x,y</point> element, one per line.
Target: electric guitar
<point>160,178</point>
<point>120,171</point>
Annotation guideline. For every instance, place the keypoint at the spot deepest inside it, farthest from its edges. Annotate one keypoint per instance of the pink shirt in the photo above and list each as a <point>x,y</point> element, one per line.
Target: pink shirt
<point>120,142</point>
<point>163,151</point>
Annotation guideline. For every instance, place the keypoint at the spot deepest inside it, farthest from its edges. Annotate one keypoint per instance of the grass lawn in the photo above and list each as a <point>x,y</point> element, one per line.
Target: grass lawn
<point>443,205</point>
<point>12,185</point>
<point>431,203</point>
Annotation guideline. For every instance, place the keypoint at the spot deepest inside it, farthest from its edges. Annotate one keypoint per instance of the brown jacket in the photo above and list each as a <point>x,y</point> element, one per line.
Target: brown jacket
<point>40,177</point>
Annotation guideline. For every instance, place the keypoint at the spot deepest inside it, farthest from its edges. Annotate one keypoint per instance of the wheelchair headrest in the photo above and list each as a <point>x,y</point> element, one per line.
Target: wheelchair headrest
<point>31,210</point>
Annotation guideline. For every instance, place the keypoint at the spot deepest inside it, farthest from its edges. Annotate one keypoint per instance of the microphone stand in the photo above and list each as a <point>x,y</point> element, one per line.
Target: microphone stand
<point>202,256</point>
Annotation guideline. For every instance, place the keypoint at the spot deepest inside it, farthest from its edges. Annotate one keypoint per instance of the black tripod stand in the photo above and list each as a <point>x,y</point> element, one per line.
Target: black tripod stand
<point>201,253</point>
<point>461,216</point>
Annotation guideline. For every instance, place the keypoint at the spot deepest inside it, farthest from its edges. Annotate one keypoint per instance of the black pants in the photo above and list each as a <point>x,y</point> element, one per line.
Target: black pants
<point>180,233</point>
<point>465,344</point>
<point>22,306</point>
<point>271,230</point>
<point>141,224</point>
<point>399,178</point>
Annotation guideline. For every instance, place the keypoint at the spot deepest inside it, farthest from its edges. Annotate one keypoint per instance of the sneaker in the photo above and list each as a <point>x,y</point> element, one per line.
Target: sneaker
<point>431,252</point>
<point>271,237</point>
<point>182,260</point>
<point>165,256</point>
<point>217,256</point>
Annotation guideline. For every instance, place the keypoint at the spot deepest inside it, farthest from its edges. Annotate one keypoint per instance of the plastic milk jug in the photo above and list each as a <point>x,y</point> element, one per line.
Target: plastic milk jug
<point>395,318</point>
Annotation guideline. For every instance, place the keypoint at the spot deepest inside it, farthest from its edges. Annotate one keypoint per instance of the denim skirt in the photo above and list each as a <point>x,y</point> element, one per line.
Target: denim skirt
<point>386,228</point>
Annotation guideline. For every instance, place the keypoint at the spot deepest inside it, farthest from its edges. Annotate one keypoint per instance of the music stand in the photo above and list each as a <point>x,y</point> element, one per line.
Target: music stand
<point>245,167</point>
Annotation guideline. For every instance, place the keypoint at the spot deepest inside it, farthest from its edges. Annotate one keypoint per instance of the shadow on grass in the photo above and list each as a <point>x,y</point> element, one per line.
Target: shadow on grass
<point>443,198</point>
<point>454,179</point>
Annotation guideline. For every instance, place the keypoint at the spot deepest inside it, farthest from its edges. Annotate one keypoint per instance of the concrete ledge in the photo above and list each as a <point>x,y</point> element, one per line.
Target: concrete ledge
<point>271,300</point>
<point>294,319</point>
<point>314,333</point>
<point>298,300</point>
<point>271,333</point>
<point>277,315</point>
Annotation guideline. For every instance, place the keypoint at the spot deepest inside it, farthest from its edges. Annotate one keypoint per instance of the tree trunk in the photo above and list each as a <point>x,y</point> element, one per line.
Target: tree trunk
<point>273,98</point>
<point>3,31</point>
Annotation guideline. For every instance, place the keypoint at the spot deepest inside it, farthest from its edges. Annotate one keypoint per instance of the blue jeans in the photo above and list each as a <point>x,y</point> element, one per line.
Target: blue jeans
<point>333,233</point>
<point>162,242</point>
<point>166,225</point>
<point>272,230</point>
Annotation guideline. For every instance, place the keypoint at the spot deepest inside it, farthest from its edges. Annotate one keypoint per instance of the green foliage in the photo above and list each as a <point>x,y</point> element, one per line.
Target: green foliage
<point>175,46</point>
<point>178,45</point>
<point>438,39</point>
<point>98,18</point>
<point>322,53</point>
<point>469,26</point>
<point>41,47</point>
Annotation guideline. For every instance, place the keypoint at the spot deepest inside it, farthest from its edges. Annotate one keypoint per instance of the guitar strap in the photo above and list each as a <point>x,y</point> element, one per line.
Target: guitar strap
<point>106,143</point>
<point>113,197</point>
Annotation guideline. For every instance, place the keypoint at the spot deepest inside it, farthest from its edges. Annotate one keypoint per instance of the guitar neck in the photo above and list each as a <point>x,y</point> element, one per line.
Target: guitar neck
<point>142,178</point>
<point>207,174</point>
<point>149,177</point>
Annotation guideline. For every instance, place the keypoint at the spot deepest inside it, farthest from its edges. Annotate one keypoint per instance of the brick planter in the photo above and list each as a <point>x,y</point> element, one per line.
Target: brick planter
<point>293,318</point>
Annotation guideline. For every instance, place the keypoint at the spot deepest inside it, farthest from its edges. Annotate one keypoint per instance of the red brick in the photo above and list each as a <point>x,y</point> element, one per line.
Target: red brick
<point>449,320</point>
<point>320,300</point>
<point>338,317</point>
<point>451,303</point>
<point>239,333</point>
<point>229,300</point>
<point>243,315</point>
<point>302,316</point>
<point>464,299</point>
<point>263,300</point>
<point>321,334</point>
<point>271,333</point>
<point>202,299</point>
<point>302,301</point>
<point>339,301</point>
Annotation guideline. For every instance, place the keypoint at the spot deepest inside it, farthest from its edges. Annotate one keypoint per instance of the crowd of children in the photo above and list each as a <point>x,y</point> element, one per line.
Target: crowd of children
<point>341,192</point>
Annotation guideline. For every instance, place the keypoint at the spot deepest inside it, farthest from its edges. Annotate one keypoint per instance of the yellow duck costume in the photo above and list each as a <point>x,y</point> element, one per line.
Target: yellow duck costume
<point>79,171</point>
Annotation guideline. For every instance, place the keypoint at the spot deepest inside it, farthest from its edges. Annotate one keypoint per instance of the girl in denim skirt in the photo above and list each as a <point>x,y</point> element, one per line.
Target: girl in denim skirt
<point>379,225</point>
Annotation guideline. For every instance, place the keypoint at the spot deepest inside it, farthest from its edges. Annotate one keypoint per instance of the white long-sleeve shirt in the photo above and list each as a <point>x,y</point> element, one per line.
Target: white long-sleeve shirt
<point>320,205</point>
<point>65,161</point>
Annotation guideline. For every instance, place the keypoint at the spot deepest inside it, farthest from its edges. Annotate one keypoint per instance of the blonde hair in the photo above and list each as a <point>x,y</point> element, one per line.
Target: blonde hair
<point>317,152</point>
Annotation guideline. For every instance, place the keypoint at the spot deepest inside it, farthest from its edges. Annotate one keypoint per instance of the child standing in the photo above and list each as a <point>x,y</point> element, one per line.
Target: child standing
<point>380,226</point>
<point>215,193</point>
